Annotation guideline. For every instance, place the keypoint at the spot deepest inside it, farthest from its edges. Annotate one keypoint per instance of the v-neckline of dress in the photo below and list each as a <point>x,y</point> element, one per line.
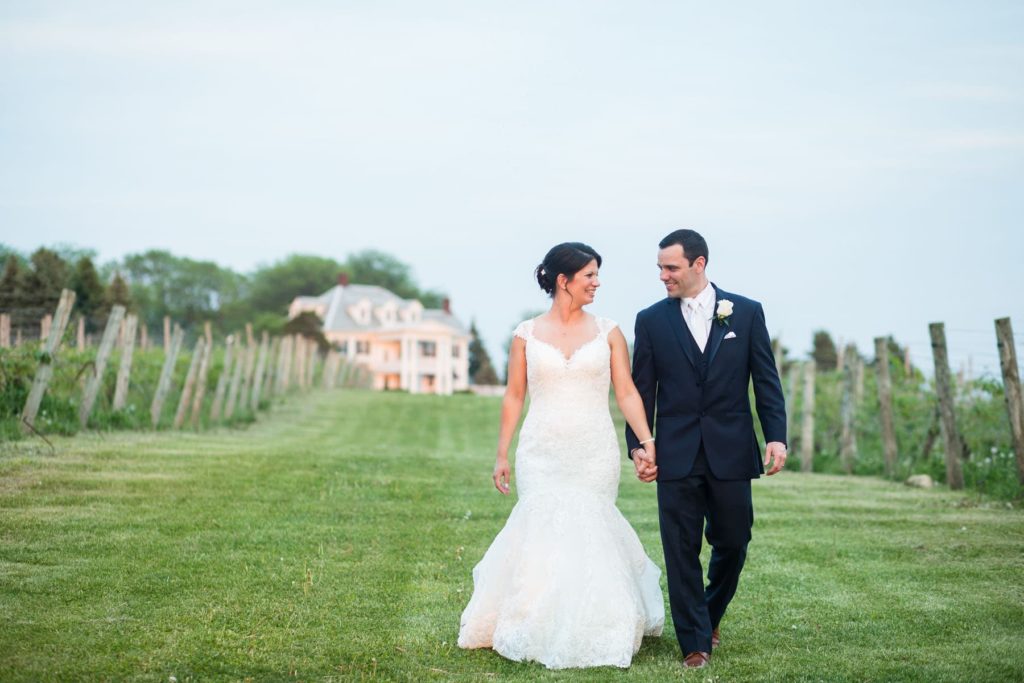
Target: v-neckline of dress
<point>567,359</point>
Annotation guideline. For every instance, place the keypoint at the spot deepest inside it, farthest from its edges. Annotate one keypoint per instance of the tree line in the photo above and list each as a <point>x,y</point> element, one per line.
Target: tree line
<point>155,284</point>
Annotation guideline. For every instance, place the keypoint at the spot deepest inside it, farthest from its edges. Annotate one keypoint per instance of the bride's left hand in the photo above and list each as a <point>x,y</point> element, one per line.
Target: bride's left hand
<point>502,476</point>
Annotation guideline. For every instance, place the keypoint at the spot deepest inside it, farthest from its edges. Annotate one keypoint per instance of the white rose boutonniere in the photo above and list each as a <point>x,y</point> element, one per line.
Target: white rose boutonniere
<point>723,311</point>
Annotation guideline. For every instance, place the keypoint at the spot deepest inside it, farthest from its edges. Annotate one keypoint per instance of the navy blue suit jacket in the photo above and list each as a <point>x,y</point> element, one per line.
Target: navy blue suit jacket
<point>688,405</point>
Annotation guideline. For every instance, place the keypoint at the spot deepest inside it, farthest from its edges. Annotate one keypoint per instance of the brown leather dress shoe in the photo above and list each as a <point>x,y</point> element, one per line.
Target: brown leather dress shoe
<point>716,638</point>
<point>697,660</point>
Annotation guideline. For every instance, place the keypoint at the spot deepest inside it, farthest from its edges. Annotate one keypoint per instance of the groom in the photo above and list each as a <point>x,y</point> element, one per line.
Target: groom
<point>694,356</point>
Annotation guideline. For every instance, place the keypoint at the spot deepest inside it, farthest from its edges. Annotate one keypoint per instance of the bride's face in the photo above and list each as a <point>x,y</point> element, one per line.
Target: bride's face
<point>583,285</point>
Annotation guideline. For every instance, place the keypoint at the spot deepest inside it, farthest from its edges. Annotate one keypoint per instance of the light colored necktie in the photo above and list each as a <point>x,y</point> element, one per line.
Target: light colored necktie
<point>695,321</point>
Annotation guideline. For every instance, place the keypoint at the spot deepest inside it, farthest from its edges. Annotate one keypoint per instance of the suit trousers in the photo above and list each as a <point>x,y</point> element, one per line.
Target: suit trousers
<point>724,511</point>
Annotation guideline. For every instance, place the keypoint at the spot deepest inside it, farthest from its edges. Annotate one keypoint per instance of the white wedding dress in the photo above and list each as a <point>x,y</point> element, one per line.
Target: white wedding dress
<point>566,582</point>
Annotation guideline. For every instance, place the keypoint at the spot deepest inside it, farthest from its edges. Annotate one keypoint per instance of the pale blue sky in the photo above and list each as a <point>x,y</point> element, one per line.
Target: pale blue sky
<point>854,166</point>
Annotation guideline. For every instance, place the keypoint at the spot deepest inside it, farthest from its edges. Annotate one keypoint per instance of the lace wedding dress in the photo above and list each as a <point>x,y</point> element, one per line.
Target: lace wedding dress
<point>566,582</point>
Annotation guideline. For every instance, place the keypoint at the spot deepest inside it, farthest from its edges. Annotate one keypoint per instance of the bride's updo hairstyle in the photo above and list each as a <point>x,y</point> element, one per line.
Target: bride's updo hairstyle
<point>567,258</point>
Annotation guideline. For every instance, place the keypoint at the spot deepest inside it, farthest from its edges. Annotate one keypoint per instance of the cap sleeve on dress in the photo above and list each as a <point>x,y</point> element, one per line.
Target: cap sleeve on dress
<point>522,329</point>
<point>606,325</point>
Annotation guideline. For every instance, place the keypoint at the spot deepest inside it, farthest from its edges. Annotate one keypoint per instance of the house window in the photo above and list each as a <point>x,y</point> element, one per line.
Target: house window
<point>343,347</point>
<point>428,349</point>
<point>362,347</point>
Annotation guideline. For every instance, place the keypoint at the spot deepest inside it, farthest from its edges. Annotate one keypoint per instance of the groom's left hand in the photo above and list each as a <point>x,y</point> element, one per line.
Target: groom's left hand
<point>775,450</point>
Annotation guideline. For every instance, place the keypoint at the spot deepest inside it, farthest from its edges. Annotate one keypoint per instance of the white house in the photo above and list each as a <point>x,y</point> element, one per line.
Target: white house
<point>404,345</point>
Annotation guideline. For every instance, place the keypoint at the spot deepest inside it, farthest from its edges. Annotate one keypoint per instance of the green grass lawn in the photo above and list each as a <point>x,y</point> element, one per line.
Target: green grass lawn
<point>334,540</point>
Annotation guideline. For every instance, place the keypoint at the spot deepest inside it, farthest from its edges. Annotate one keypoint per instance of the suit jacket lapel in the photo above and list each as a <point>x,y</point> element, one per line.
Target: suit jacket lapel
<point>678,325</point>
<point>718,331</point>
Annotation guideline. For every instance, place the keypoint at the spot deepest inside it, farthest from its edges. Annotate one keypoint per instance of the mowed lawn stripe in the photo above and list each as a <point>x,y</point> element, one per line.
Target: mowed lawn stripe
<point>334,540</point>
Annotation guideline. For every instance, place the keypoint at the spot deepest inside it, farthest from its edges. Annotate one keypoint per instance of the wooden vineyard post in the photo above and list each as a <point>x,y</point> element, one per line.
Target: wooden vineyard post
<point>330,370</point>
<point>908,369</point>
<point>792,388</point>
<point>45,371</point>
<point>848,433</point>
<point>190,380</point>
<point>44,326</point>
<point>272,368</point>
<point>5,331</point>
<point>223,378</point>
<point>261,368</point>
<point>244,391</point>
<point>777,352</point>
<point>172,346</point>
<point>236,381</point>
<point>284,374</point>
<point>1012,390</point>
<point>299,365</point>
<point>346,373</point>
<point>124,370</point>
<point>204,371</point>
<point>92,387</point>
<point>807,431</point>
<point>143,337</point>
<point>81,333</point>
<point>167,332</point>
<point>299,361</point>
<point>294,363</point>
<point>858,378</point>
<point>944,388</point>
<point>884,381</point>
<point>311,361</point>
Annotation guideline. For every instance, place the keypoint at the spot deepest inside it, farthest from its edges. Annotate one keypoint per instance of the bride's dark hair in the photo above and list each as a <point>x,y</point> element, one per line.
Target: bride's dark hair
<point>567,258</point>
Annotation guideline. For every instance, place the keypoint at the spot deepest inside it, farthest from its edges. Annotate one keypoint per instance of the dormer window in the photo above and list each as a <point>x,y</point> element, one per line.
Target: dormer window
<point>412,312</point>
<point>386,314</point>
<point>361,312</point>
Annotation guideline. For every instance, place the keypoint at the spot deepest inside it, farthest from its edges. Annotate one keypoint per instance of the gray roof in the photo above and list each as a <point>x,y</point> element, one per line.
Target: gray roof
<point>337,300</point>
<point>439,315</point>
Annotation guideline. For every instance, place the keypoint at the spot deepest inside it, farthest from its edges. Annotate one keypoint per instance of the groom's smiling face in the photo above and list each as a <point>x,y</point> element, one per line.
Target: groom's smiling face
<point>680,277</point>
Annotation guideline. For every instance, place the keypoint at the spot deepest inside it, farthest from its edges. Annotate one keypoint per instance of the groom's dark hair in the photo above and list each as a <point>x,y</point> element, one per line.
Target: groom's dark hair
<point>690,240</point>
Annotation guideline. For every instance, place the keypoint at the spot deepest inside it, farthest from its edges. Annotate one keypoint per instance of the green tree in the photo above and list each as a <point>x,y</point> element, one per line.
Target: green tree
<point>825,352</point>
<point>309,325</point>
<point>6,252</point>
<point>187,290</point>
<point>12,292</point>
<point>481,370</point>
<point>372,267</point>
<point>44,282</point>
<point>117,293</point>
<point>11,282</point>
<point>273,287</point>
<point>71,253</point>
<point>89,291</point>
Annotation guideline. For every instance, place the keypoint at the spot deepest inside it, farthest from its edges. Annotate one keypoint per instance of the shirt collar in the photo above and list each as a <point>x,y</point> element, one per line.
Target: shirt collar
<point>705,299</point>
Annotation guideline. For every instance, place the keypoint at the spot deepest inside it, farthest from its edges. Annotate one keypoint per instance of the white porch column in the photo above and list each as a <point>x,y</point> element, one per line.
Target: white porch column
<point>445,363</point>
<point>403,380</point>
<point>463,363</point>
<point>414,365</point>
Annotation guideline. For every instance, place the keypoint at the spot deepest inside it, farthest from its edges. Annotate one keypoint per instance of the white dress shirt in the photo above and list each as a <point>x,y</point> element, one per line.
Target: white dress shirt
<point>697,312</point>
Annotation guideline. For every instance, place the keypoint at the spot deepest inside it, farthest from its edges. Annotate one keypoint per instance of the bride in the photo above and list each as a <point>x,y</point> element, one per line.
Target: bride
<point>566,582</point>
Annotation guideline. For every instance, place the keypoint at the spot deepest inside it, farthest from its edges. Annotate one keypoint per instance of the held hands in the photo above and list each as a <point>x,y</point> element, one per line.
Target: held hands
<point>776,450</point>
<point>502,475</point>
<point>645,462</point>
